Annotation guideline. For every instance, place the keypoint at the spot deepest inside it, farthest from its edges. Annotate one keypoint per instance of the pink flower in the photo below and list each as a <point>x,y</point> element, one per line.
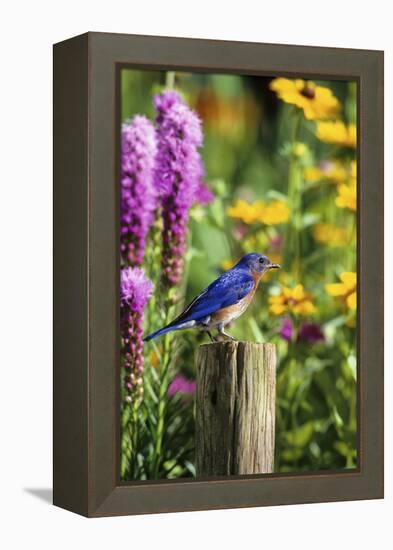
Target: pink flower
<point>310,333</point>
<point>203,195</point>
<point>286,330</point>
<point>180,384</point>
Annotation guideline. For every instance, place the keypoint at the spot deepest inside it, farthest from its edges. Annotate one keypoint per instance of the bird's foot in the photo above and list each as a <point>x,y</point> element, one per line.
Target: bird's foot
<point>224,336</point>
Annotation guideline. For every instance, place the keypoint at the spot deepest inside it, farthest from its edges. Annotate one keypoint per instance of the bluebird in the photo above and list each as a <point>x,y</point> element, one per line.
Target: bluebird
<point>224,300</point>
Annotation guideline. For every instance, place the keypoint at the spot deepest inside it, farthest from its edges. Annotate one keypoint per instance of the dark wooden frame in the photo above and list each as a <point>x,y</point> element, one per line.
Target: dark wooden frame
<point>86,391</point>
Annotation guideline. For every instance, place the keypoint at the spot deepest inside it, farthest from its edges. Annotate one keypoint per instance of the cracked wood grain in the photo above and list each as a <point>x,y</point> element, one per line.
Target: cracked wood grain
<point>235,408</point>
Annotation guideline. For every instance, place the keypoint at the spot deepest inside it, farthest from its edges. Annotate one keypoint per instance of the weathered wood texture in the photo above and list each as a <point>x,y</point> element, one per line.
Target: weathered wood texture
<point>235,408</point>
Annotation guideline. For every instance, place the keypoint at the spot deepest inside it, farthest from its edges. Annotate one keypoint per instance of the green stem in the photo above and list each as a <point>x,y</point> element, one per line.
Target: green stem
<point>125,446</point>
<point>166,360</point>
<point>134,438</point>
<point>170,80</point>
<point>292,240</point>
<point>161,406</point>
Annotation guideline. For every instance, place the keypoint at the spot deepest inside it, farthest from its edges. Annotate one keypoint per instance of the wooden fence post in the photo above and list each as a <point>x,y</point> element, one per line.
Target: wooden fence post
<point>235,408</point>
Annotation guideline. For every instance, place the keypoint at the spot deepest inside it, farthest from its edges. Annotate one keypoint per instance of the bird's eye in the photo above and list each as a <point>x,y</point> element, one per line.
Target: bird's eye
<point>261,261</point>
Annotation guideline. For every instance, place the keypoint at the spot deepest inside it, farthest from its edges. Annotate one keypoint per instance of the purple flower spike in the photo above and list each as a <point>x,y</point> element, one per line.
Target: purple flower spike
<point>180,384</point>
<point>203,195</point>
<point>310,333</point>
<point>286,330</point>
<point>135,290</point>
<point>138,195</point>
<point>178,176</point>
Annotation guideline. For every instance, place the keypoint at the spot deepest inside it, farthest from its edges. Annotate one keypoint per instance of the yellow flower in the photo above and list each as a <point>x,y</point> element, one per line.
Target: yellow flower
<point>342,175</point>
<point>154,359</point>
<point>337,132</point>
<point>259,212</point>
<point>346,290</point>
<point>294,300</point>
<point>300,149</point>
<point>227,264</point>
<point>274,213</point>
<point>352,173</point>
<point>331,171</point>
<point>243,211</point>
<point>317,102</point>
<point>275,257</point>
<point>330,234</point>
<point>346,197</point>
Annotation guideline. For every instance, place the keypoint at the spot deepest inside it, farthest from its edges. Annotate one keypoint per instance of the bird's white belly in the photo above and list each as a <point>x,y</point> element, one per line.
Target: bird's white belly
<point>226,320</point>
<point>230,313</point>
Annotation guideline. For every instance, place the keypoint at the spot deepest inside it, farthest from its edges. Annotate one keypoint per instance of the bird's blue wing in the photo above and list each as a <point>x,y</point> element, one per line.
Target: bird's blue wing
<point>225,291</point>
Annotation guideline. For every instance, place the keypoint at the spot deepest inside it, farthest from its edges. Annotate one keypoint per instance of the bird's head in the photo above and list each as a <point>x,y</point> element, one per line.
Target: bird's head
<point>257,263</point>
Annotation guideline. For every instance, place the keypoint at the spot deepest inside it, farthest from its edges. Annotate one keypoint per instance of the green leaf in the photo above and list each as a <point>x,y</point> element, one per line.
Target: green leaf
<point>300,436</point>
<point>310,219</point>
<point>190,467</point>
<point>257,333</point>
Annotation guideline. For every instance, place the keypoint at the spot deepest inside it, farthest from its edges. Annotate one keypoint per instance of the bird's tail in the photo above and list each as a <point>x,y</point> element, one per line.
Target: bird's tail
<point>160,332</point>
<point>175,325</point>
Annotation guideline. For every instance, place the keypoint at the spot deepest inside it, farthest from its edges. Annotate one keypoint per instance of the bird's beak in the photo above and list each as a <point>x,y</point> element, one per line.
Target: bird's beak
<point>274,266</point>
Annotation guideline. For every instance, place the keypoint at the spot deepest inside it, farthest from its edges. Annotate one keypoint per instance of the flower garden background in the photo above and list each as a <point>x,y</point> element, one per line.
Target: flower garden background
<point>212,167</point>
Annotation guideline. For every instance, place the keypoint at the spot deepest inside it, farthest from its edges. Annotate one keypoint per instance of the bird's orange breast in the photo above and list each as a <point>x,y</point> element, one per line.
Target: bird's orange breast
<point>230,313</point>
<point>227,314</point>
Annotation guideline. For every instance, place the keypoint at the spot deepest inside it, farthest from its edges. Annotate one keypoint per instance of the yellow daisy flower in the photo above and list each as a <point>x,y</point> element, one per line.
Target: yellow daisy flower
<point>352,172</point>
<point>259,212</point>
<point>294,300</point>
<point>330,234</point>
<point>346,290</point>
<point>337,132</point>
<point>346,197</point>
<point>317,102</point>
<point>243,211</point>
<point>331,171</point>
<point>274,213</point>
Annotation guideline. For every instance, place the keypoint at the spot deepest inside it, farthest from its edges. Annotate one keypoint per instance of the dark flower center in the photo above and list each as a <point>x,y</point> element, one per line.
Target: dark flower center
<point>308,92</point>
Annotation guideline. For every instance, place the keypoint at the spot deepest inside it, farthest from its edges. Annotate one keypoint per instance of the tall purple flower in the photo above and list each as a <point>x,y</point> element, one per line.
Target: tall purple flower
<point>135,290</point>
<point>178,176</point>
<point>138,195</point>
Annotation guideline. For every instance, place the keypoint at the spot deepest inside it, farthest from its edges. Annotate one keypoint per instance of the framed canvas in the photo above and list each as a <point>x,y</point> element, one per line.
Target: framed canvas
<point>184,172</point>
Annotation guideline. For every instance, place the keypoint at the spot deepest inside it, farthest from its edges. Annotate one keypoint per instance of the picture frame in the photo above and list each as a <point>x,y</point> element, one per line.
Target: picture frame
<point>86,384</point>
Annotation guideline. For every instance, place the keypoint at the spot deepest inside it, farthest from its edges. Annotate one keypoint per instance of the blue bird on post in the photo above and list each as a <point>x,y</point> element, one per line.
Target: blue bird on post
<point>224,300</point>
